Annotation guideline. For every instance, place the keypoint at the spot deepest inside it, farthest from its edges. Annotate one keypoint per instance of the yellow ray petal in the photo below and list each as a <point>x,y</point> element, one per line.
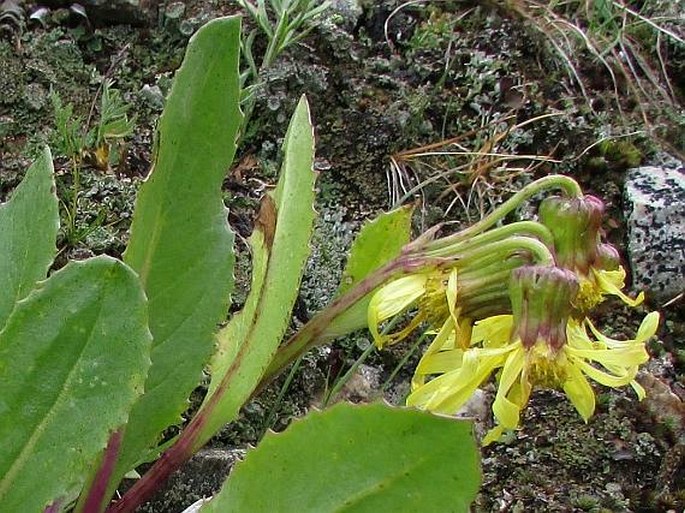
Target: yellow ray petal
<point>427,396</point>
<point>579,391</point>
<point>506,410</point>
<point>444,338</point>
<point>641,394</point>
<point>392,299</point>
<point>625,357</point>
<point>449,392</point>
<point>493,331</point>
<point>451,293</point>
<point>611,282</point>
<point>439,363</point>
<point>396,296</point>
<point>604,378</point>
<point>648,327</point>
<point>493,435</point>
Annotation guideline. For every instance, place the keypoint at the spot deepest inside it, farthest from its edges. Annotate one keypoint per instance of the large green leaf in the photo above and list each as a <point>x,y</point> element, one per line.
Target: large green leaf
<point>280,246</point>
<point>357,459</point>
<point>181,244</point>
<point>28,227</point>
<point>73,359</point>
<point>230,339</point>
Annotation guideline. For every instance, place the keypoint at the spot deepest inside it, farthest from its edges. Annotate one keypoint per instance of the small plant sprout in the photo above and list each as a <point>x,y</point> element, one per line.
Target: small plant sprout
<point>112,127</point>
<point>284,23</point>
<point>82,143</point>
<point>92,139</point>
<point>288,24</point>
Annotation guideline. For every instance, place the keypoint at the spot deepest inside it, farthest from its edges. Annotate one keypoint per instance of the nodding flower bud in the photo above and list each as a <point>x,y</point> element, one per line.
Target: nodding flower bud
<point>542,301</point>
<point>608,258</point>
<point>575,224</point>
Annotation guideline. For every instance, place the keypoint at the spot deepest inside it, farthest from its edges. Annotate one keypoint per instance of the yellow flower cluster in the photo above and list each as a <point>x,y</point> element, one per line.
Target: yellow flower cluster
<point>544,340</point>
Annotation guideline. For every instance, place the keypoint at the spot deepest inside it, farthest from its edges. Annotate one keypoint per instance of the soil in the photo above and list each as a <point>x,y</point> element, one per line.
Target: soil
<point>381,79</point>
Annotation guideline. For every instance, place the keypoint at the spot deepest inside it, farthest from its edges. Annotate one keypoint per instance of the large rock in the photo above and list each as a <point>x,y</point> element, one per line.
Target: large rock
<point>655,212</point>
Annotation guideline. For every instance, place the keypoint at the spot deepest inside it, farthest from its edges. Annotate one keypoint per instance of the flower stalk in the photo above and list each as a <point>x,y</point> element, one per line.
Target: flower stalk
<point>566,184</point>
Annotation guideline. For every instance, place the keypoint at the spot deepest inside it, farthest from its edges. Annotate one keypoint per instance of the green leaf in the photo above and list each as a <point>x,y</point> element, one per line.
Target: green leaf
<point>181,244</point>
<point>230,339</point>
<point>29,222</point>
<point>357,459</point>
<point>73,359</point>
<point>378,243</point>
<point>280,247</point>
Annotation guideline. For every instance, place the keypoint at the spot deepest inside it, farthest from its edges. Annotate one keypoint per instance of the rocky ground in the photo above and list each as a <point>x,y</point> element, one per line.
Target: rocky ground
<point>385,78</point>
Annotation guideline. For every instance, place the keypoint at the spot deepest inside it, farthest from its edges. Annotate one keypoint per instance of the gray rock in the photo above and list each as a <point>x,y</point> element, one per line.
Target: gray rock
<point>363,387</point>
<point>345,13</point>
<point>655,212</point>
<point>477,407</point>
<point>201,477</point>
<point>153,96</point>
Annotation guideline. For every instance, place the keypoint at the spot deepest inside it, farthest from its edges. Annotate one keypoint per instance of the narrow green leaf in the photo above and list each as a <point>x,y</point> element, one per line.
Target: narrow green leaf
<point>237,331</point>
<point>73,358</point>
<point>181,244</point>
<point>28,228</point>
<point>280,249</point>
<point>357,459</point>
<point>378,242</point>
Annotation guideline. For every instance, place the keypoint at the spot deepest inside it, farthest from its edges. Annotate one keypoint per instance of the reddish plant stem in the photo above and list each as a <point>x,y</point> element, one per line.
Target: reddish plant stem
<point>166,465</point>
<point>97,493</point>
<point>314,332</point>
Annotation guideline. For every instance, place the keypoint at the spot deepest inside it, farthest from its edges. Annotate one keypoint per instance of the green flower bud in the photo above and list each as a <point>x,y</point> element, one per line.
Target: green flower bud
<point>542,302</point>
<point>575,224</point>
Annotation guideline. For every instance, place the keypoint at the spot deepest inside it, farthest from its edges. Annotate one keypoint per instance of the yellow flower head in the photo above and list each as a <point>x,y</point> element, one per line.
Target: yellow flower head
<point>445,299</point>
<point>538,346</point>
<point>434,292</point>
<point>605,278</point>
<point>493,311</point>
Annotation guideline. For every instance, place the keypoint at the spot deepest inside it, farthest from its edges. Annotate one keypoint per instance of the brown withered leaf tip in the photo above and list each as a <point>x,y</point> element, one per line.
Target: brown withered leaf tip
<point>266,220</point>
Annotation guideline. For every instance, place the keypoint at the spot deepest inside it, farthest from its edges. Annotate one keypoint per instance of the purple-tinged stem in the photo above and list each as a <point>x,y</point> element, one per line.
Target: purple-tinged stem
<point>97,493</point>
<point>166,465</point>
<point>314,332</point>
